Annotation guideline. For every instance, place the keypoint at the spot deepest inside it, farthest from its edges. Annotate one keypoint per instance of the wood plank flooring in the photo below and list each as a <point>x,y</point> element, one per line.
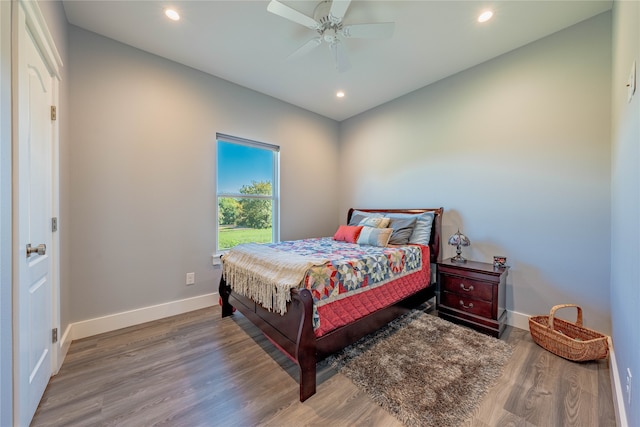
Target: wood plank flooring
<point>198,369</point>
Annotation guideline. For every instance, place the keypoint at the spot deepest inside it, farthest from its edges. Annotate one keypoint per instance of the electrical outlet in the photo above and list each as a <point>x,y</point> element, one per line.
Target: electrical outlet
<point>215,260</point>
<point>191,278</point>
<point>629,377</point>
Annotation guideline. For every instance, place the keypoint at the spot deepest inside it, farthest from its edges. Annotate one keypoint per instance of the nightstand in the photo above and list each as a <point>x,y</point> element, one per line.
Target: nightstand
<point>473,294</point>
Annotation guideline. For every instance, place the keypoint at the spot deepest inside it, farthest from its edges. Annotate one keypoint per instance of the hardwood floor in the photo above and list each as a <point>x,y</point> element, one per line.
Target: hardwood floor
<point>198,369</point>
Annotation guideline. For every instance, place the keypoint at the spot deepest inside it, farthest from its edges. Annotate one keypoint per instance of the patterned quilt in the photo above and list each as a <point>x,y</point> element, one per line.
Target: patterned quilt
<point>352,268</point>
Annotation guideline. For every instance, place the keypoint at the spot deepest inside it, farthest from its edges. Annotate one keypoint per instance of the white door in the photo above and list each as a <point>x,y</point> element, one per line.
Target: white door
<point>32,355</point>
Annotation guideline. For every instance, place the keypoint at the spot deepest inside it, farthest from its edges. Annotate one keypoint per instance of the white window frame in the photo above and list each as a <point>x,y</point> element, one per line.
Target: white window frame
<point>275,186</point>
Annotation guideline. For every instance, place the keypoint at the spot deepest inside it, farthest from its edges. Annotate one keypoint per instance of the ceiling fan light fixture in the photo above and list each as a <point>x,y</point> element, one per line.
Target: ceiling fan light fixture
<point>485,16</point>
<point>327,21</point>
<point>330,35</point>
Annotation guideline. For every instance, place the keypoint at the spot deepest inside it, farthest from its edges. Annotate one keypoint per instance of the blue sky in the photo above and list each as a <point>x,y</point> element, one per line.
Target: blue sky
<point>239,165</point>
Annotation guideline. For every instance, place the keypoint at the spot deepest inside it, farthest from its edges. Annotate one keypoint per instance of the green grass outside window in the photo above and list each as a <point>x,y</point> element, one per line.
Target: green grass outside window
<point>229,237</point>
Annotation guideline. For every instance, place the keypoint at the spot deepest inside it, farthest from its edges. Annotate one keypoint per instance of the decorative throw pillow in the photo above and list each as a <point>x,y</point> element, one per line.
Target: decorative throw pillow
<point>375,222</point>
<point>356,219</point>
<point>422,230</point>
<point>374,236</point>
<point>348,233</point>
<point>402,230</point>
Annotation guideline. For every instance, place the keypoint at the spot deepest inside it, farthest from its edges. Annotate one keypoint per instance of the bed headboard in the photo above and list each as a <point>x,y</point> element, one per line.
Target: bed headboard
<point>436,230</point>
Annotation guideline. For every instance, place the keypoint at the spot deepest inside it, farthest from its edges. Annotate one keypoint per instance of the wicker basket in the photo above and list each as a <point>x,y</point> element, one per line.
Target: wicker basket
<point>569,340</point>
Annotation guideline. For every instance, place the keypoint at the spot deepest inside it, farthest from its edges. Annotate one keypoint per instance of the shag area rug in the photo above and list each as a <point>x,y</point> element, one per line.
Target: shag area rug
<point>424,370</point>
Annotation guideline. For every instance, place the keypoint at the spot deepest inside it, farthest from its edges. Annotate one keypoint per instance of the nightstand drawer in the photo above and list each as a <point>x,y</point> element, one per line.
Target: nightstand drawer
<point>469,305</point>
<point>467,288</point>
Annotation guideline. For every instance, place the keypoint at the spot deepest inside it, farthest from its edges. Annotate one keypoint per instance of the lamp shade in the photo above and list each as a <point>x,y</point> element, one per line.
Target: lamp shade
<point>458,240</point>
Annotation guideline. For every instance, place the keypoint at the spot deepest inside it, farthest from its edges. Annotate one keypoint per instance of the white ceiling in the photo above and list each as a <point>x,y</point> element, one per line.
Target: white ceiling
<point>241,42</point>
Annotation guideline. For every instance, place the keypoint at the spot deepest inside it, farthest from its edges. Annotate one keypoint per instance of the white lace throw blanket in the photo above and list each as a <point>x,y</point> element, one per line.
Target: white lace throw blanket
<point>266,275</point>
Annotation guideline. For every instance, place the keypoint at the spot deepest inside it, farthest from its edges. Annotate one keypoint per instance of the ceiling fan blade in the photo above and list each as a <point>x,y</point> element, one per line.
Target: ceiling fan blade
<point>338,9</point>
<point>382,30</point>
<point>306,48</point>
<point>339,54</point>
<point>291,14</point>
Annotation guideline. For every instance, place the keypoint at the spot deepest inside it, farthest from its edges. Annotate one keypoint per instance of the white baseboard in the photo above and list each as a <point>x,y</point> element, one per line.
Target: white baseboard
<point>112,322</point>
<point>616,388</point>
<point>518,320</point>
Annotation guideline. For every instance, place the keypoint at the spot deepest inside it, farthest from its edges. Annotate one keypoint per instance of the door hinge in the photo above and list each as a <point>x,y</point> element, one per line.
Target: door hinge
<point>54,335</point>
<point>53,113</point>
<point>54,224</point>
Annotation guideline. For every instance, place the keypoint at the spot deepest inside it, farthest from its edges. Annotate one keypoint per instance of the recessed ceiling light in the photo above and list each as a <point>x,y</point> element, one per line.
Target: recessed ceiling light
<point>340,94</point>
<point>485,16</point>
<point>172,14</point>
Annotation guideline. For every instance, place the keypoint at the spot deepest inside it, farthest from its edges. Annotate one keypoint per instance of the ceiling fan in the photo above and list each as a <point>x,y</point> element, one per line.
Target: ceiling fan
<point>327,21</point>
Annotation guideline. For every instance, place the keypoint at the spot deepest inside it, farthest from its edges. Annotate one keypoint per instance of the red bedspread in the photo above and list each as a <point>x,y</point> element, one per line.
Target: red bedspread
<point>344,311</point>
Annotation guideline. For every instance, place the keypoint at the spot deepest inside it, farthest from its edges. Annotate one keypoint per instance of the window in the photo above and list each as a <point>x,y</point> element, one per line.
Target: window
<point>247,191</point>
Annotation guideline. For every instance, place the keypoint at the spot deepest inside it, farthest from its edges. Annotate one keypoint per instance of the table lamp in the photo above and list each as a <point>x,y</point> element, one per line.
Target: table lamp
<point>458,240</point>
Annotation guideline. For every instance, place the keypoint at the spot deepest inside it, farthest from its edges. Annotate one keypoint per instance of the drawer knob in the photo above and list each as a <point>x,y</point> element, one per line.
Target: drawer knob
<point>469,289</point>
<point>466,306</point>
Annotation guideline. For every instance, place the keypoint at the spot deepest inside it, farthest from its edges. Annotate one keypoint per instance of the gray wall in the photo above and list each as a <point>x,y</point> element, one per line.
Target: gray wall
<point>517,150</point>
<point>625,196</point>
<point>142,173</point>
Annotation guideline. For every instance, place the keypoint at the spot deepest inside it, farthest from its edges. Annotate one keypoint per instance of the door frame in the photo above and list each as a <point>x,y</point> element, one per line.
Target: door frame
<point>28,14</point>
<point>6,365</point>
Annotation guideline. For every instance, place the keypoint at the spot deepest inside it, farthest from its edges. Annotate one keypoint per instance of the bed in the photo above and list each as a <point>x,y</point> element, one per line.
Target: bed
<point>302,332</point>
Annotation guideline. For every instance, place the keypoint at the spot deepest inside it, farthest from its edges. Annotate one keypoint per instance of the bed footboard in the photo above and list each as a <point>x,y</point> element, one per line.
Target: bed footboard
<point>292,332</point>
<point>225,291</point>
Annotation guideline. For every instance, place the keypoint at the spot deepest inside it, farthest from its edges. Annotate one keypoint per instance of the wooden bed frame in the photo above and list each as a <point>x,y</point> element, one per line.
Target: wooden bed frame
<point>293,332</point>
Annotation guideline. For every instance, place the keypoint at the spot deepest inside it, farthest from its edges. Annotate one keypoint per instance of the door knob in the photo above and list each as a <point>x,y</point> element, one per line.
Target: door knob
<point>41,249</point>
